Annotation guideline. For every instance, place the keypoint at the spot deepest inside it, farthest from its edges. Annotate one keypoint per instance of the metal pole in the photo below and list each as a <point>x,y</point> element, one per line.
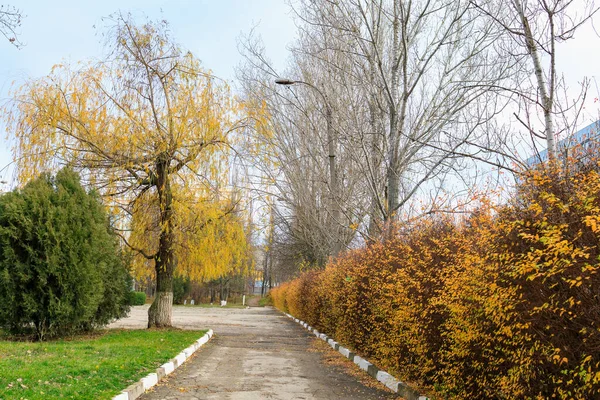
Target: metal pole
<point>333,189</point>
<point>333,179</point>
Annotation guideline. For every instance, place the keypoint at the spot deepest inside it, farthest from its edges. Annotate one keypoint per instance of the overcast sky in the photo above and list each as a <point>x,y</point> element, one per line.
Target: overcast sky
<point>64,30</point>
<point>59,30</point>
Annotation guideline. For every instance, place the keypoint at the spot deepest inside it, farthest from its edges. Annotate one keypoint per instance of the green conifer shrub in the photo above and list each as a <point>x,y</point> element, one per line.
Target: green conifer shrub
<point>181,289</point>
<point>61,270</point>
<point>137,298</point>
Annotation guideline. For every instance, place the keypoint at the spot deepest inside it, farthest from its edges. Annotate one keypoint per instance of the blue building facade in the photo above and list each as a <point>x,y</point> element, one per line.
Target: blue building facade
<point>586,137</point>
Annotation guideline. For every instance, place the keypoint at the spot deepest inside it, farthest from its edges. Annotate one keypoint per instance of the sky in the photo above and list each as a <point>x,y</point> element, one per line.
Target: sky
<point>59,30</point>
<point>54,31</point>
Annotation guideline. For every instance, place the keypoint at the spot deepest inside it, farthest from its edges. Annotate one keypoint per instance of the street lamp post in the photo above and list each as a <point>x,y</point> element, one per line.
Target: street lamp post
<point>333,180</point>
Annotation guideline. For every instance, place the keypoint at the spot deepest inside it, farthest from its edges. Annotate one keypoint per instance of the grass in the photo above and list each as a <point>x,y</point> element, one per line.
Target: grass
<point>91,367</point>
<point>265,301</point>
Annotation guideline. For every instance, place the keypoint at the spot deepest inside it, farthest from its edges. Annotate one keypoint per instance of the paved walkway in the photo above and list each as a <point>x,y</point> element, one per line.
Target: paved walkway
<point>256,353</point>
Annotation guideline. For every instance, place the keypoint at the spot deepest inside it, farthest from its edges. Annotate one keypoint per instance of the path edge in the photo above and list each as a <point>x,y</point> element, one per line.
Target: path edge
<point>137,389</point>
<point>382,376</point>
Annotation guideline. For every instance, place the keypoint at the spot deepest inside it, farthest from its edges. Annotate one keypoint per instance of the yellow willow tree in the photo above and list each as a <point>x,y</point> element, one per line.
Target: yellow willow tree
<point>142,122</point>
<point>210,240</point>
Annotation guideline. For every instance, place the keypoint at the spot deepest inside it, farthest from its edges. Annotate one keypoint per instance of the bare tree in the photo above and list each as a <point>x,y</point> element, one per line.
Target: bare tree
<point>10,20</point>
<point>407,86</point>
<point>289,164</point>
<point>531,31</point>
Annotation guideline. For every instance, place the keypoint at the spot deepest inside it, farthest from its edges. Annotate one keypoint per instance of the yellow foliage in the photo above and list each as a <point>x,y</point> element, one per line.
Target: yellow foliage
<point>152,131</point>
<point>209,236</point>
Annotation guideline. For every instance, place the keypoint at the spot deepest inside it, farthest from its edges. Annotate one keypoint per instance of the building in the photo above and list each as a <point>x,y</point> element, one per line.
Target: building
<point>586,138</point>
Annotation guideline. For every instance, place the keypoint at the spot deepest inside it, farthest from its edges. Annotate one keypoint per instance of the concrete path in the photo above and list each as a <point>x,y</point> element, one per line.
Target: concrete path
<point>256,353</point>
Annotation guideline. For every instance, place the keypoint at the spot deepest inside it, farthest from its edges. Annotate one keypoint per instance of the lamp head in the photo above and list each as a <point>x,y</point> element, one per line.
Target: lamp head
<point>286,82</point>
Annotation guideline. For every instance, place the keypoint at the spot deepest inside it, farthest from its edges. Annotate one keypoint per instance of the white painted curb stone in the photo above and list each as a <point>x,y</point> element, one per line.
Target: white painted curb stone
<point>344,351</point>
<point>384,377</point>
<point>364,365</point>
<point>189,351</point>
<point>334,345</point>
<point>168,367</point>
<point>202,340</point>
<point>180,359</point>
<point>150,380</point>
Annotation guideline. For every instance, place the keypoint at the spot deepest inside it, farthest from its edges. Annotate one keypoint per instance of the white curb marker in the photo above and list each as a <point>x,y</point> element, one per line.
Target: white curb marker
<point>150,380</point>
<point>168,367</point>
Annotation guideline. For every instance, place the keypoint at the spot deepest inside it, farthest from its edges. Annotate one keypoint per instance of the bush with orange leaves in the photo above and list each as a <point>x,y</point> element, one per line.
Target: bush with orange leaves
<point>505,304</point>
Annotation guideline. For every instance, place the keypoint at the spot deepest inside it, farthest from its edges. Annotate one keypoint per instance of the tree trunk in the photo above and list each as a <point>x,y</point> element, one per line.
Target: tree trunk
<point>161,310</point>
<point>392,177</point>
<point>546,90</point>
<point>263,289</point>
<point>159,314</point>
<point>378,197</point>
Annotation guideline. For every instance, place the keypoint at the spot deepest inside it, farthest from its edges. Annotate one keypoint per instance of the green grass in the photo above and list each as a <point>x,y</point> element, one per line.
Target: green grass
<point>265,301</point>
<point>93,367</point>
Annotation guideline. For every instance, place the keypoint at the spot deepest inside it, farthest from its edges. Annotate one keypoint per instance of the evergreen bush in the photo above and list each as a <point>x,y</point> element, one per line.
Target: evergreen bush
<point>60,266</point>
<point>137,298</point>
<point>181,289</point>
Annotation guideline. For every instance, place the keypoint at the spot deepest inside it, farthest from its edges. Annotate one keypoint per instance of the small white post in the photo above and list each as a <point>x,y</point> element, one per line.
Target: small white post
<point>244,300</point>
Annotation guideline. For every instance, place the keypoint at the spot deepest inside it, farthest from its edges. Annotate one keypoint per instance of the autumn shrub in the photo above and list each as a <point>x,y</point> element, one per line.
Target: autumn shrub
<point>504,304</point>
<point>525,315</point>
<point>413,325</point>
<point>278,295</point>
<point>60,265</point>
<point>371,299</point>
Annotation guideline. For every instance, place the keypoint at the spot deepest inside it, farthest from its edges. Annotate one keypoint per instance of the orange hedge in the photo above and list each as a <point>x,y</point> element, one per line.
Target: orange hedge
<point>503,305</point>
